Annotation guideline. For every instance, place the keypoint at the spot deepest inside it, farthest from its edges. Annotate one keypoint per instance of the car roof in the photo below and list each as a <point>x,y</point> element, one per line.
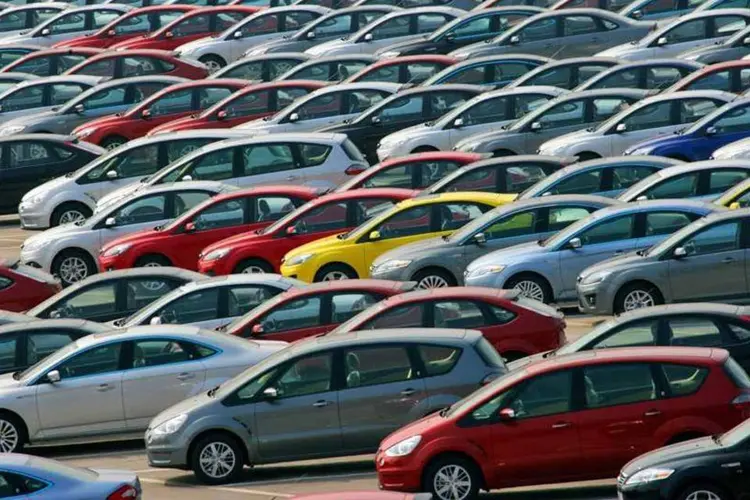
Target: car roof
<point>47,137</point>
<point>503,9</point>
<point>295,7</point>
<point>389,87</point>
<point>135,52</point>
<point>62,51</point>
<point>359,284</point>
<point>328,59</point>
<point>137,272</point>
<point>98,6</point>
<point>85,79</point>
<point>453,292</point>
<point>205,82</point>
<point>580,60</point>
<point>239,279</point>
<point>254,87</point>
<point>460,196</point>
<point>691,308</point>
<point>282,189</point>
<point>635,93</point>
<point>543,201</point>
<point>264,138</point>
<point>81,325</point>
<point>358,8</point>
<point>688,94</point>
<point>218,133</point>
<point>215,186</point>
<point>512,160</point>
<point>504,57</point>
<point>623,160</point>
<point>524,89</point>
<point>478,89</point>
<point>714,13</point>
<point>158,8</point>
<point>699,165</point>
<point>725,215</point>
<point>188,331</point>
<point>37,5</point>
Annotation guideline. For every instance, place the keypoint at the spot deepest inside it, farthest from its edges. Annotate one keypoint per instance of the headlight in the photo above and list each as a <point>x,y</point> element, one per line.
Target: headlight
<point>390,265</point>
<point>170,426</point>
<point>33,200</point>
<point>484,270</point>
<point>12,130</point>
<point>648,476</point>
<point>86,132</point>
<point>299,259</point>
<point>217,254</point>
<point>403,448</point>
<point>36,244</point>
<point>596,277</point>
<point>390,54</point>
<point>116,250</point>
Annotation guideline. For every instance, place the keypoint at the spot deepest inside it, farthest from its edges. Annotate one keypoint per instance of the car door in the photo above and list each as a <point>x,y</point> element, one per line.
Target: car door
<point>382,386</point>
<point>292,320</point>
<point>253,32</point>
<point>90,388</point>
<point>538,38</point>
<point>681,38</point>
<point>161,372</point>
<point>583,35</point>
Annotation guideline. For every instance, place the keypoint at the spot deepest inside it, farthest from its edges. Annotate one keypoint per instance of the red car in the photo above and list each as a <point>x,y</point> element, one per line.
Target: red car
<point>415,171</point>
<point>251,103</point>
<point>23,287</point>
<point>51,62</point>
<point>324,216</point>
<point>514,325</point>
<point>192,26</point>
<point>407,69</point>
<point>166,105</point>
<point>728,76</point>
<point>569,418</point>
<point>139,62</point>
<point>179,242</point>
<point>135,23</point>
<point>312,310</point>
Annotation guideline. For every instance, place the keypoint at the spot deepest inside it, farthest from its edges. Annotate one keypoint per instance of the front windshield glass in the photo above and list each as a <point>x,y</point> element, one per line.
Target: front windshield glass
<point>47,363</point>
<point>496,386</point>
<point>475,225</point>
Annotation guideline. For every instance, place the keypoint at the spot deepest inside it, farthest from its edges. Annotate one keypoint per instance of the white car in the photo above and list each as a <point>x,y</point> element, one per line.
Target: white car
<point>70,251</point>
<point>323,108</point>
<point>648,119</point>
<point>488,110</point>
<point>400,26</point>
<point>698,29</point>
<point>229,46</point>
<point>737,150</point>
<point>69,24</point>
<point>312,159</point>
<point>73,197</point>
<point>211,303</point>
<point>16,20</point>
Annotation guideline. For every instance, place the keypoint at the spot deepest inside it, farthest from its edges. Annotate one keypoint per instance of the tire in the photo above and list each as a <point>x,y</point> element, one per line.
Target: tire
<point>462,472</point>
<point>217,445</point>
<point>113,142</point>
<point>499,153</point>
<point>72,266</point>
<point>637,296</point>
<point>253,266</point>
<point>213,63</point>
<point>69,212</point>
<point>531,286</point>
<point>703,491</point>
<point>12,434</point>
<point>587,155</point>
<point>433,278</point>
<point>335,272</point>
<point>153,261</point>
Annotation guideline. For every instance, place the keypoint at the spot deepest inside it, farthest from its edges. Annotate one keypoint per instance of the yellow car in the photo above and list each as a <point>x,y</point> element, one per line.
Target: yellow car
<point>350,255</point>
<point>737,196</point>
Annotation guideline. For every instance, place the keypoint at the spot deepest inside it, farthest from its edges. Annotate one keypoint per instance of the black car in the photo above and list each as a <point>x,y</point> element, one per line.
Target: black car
<point>472,28</point>
<point>405,109</point>
<point>566,74</point>
<point>709,468</point>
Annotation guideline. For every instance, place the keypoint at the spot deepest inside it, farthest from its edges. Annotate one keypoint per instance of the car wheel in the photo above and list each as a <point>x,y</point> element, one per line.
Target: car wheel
<point>113,142</point>
<point>335,272</point>
<point>452,478</point>
<point>217,459</point>
<point>70,213</point>
<point>637,296</point>
<point>703,492</point>
<point>531,286</point>
<point>72,266</point>
<point>213,63</point>
<point>253,266</point>
<point>503,152</point>
<point>153,261</point>
<point>587,155</point>
<point>433,278</point>
<point>12,435</point>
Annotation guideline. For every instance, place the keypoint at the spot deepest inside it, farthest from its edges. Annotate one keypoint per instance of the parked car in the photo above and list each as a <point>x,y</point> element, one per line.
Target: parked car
<point>661,11</point>
<point>730,76</point>
<point>566,73</point>
<point>731,49</point>
<point>605,177</point>
<point>69,251</point>
<point>169,104</point>
<point>351,255</point>
<point>332,69</point>
<point>486,111</point>
<point>134,62</point>
<point>41,94</point>
<point>378,370</point>
<point>610,5</point>
<point>541,408</point>
<point>567,113</point>
<point>260,27</point>
<point>12,53</point>
<point>110,296</point>
<point>20,18</point>
<point>495,71</point>
<point>262,68</point>
<point>441,262</point>
<point>327,215</point>
<point>737,150</point>
<point>738,196</point>
<point>22,287</point>
<point>546,270</point>
<point>180,242</point>
<point>658,117</point>
<point>651,74</point>
<point>143,371</point>
<point>412,70</point>
<point>488,4</point>
<point>561,33</point>
<point>50,62</point>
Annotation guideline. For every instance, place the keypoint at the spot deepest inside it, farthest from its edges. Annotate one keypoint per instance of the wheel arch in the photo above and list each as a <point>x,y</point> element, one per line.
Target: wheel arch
<point>434,267</point>
<point>537,274</point>
<point>463,454</point>
<point>337,263</point>
<point>24,426</point>
<point>231,433</point>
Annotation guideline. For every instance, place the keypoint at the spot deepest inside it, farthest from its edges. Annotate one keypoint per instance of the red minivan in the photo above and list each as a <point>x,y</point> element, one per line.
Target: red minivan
<point>569,418</point>
<point>179,242</point>
<point>324,216</point>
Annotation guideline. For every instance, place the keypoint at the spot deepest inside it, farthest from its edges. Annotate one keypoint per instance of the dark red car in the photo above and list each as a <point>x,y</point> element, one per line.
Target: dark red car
<point>416,171</point>
<point>570,418</point>
<point>728,76</point>
<point>135,23</point>
<point>179,242</point>
<point>251,103</point>
<point>51,62</point>
<point>315,309</point>
<point>192,26</point>
<point>166,105</point>
<point>325,216</point>
<point>514,325</point>
<point>23,287</point>
<point>139,62</point>
<point>407,69</point>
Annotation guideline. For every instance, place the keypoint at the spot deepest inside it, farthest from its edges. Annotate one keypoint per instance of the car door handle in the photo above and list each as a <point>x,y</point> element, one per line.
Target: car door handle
<point>185,376</point>
<point>619,252</point>
<point>561,425</point>
<point>652,413</point>
<point>104,387</point>
<point>727,260</point>
<point>408,392</point>
<point>731,465</point>
<point>321,404</point>
<point>292,177</point>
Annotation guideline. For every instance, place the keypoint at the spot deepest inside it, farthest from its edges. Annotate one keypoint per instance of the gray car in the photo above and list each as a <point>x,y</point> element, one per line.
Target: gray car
<point>546,270</point>
<point>108,386</point>
<point>705,261</point>
<point>262,68</point>
<point>321,397</point>
<point>105,99</point>
<point>733,48</point>
<point>567,73</point>
<point>441,262</point>
<point>42,94</point>
<point>567,113</point>
<point>651,74</point>
<point>560,34</point>
<point>329,69</point>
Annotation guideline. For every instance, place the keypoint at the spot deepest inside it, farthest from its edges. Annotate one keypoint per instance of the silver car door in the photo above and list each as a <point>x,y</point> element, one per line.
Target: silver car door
<point>268,164</point>
<point>581,37</point>
<point>252,33</point>
<point>681,38</point>
<point>143,213</point>
<point>540,38</point>
<point>487,113</point>
<point>645,123</point>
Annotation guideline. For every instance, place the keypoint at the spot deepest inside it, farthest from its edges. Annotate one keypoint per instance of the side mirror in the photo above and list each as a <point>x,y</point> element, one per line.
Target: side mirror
<point>368,37</point>
<point>45,32</point>
<point>56,314</point>
<point>221,115</point>
<point>311,35</point>
<point>620,128</point>
<point>514,40</point>
<point>375,120</point>
<point>291,230</point>
<point>270,393</point>
<point>642,197</point>
<point>237,34</point>
<point>79,108</point>
<point>53,377</point>
<point>711,131</point>
<point>146,114</point>
<point>479,238</point>
<point>575,243</point>
<point>257,329</point>
<point>111,33</point>
<point>293,117</point>
<point>661,41</point>
<point>637,14</point>
<point>450,37</point>
<point>156,320</point>
<point>536,126</point>
<point>190,227</point>
<point>168,34</point>
<point>734,205</point>
<point>507,414</point>
<point>110,222</point>
<point>458,123</point>
<point>746,40</point>
<point>111,174</point>
<point>374,235</point>
<point>679,252</point>
<point>187,178</point>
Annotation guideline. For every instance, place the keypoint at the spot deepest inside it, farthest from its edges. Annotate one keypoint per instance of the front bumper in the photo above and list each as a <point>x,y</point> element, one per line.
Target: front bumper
<point>38,258</point>
<point>301,272</point>
<point>165,453</point>
<point>644,492</point>
<point>401,274</point>
<point>398,473</point>
<point>33,218</point>
<point>217,267</point>
<point>114,263</point>
<point>595,299</point>
<point>492,280</point>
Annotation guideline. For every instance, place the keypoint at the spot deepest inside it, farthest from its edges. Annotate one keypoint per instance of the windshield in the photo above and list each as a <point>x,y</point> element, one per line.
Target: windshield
<point>486,392</point>
<point>569,232</point>
<point>240,380</point>
<point>45,364</point>
<point>475,225</point>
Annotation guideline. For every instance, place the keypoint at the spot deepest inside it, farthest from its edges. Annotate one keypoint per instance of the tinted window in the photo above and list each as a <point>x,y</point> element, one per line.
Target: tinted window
<point>30,97</point>
<point>694,332</point>
<point>271,208</point>
<point>105,98</point>
<point>400,26</point>
<point>516,225</point>
<point>721,180</point>
<point>95,361</point>
<point>328,217</point>
<point>458,314</point>
<point>347,305</point>
<point>146,209</point>
<point>624,177</point>
<point>544,29</point>
<point>660,223</point>
<point>544,395</point>
<point>562,217</point>
<point>95,300</point>
<point>377,365</point>
<point>716,238</point>
<point>488,111</point>
<point>223,214</point>
<point>684,380</point>
<point>438,360</point>
<point>682,186</point>
<point>564,115</point>
<point>293,315</point>
<point>736,120</point>
<point>618,384</point>
<point>412,221</point>
<point>406,316</point>
<point>583,183</point>
<point>309,375</point>
<point>180,101</point>
<point>655,115</point>
<point>455,215</point>
<point>403,109</point>
<point>8,345</point>
<point>141,292</point>
<point>716,80</point>
<point>147,353</point>
<point>267,158</point>
<point>617,229</point>
<point>193,307</point>
<point>68,24</point>
<point>637,333</point>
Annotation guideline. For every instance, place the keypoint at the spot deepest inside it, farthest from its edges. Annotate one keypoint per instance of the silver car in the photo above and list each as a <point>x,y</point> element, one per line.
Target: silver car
<point>329,69</point>
<point>69,251</point>
<point>546,270</point>
<point>16,20</point>
<point>567,113</point>
<point>305,402</point>
<point>566,73</point>
<point>441,262</point>
<point>651,74</point>
<point>737,150</point>
<point>562,33</point>
<point>42,94</point>
<point>262,68</point>
<point>108,386</point>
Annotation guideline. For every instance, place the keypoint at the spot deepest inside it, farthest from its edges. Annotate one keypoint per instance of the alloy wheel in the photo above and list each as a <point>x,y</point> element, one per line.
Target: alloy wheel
<point>703,495</point>
<point>114,145</point>
<point>217,460</point>
<point>432,281</point>
<point>73,269</point>
<point>72,216</point>
<point>253,270</point>
<point>452,482</point>
<point>335,276</point>
<point>530,289</point>
<point>8,437</point>
<point>212,65</point>
<point>638,299</point>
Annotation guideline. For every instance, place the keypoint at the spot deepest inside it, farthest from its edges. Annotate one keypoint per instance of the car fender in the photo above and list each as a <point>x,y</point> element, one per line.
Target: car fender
<point>687,424</point>
<point>660,279</point>
<point>503,344</point>
<point>434,403</point>
<point>452,444</point>
<point>70,196</point>
<point>218,422</point>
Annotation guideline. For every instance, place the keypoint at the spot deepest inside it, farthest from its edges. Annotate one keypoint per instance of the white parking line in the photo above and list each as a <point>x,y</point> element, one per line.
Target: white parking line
<point>228,489</point>
<point>302,479</point>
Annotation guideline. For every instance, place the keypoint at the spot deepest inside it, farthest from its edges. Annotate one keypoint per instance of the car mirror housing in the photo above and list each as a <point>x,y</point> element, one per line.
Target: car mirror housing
<point>221,115</point>
<point>507,414</point>
<point>237,34</point>
<point>110,222</point>
<point>536,126</point>
<point>734,205</point>
<point>514,40</point>
<point>575,243</point>
<point>479,238</point>
<point>375,120</point>
<point>156,320</point>
<point>111,174</point>
<point>368,37</point>
<point>46,32</point>
<point>679,252</point>
<point>79,108</point>
<point>291,230</point>
<point>53,376</point>
<point>458,123</point>
<point>111,33</point>
<point>190,227</point>
<point>293,117</point>
<point>662,41</point>
<point>168,34</point>
<point>374,235</point>
<point>621,127</point>
<point>637,14</point>
<point>746,40</point>
<point>146,113</point>
<point>711,131</point>
<point>187,178</point>
<point>311,35</point>
<point>450,37</point>
<point>257,329</point>
<point>270,393</point>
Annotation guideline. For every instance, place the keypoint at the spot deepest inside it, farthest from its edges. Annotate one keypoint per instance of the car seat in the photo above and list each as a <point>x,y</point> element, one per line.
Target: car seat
<point>354,378</point>
<point>264,211</point>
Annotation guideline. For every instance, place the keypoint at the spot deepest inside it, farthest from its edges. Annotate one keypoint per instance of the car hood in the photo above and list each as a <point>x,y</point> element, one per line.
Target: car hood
<point>413,429</point>
<point>620,50</point>
<point>566,140</point>
<point>46,187</point>
<point>479,139</point>
<point>408,133</point>
<point>197,44</point>
<point>119,194</point>
<point>416,250</point>
<point>315,246</point>
<point>622,262</point>
<point>58,232</point>
<point>188,405</point>
<point>145,235</point>
<point>321,49</point>
<point>100,122</point>
<point>510,255</point>
<point>7,382</point>
<point>669,454</point>
<point>32,119</point>
<point>695,53</point>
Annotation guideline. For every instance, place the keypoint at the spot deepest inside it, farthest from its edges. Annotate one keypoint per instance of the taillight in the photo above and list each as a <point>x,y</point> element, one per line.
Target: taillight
<point>354,169</point>
<point>125,492</point>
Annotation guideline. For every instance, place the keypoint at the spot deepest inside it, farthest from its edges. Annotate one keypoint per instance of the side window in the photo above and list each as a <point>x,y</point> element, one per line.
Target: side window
<point>544,29</point>
<point>487,111</point>
<point>736,120</point>
<point>105,98</point>
<point>278,67</point>
<point>518,178</point>
<point>409,222</point>
<point>681,186</point>
<point>61,93</point>
<point>716,80</point>
<point>652,116</point>
<point>606,107</point>
<point>214,166</point>
<point>714,239</point>
<point>296,20</point>
<point>314,155</point>
<point>363,99</point>
<point>328,217</point>
<point>588,71</point>
<point>619,79</point>
<point>223,214</point>
<point>579,25</point>
<point>556,77</point>
<point>687,31</point>
<point>68,24</point>
<point>180,101</point>
<point>427,23</point>
<point>104,67</point>
<point>317,72</point>
<point>26,98</point>
<point>344,69</point>
<point>566,114</point>
<point>207,97</point>
<point>744,78</point>
<point>30,154</point>
<point>721,180</point>
<point>153,352</point>
<point>146,209</point>
<point>377,365</point>
<point>396,27</point>
<point>441,103</point>
<point>264,25</point>
<point>135,24</point>
<point>388,74</point>
<point>740,332</point>
<point>692,110</point>
<point>187,200</point>
<point>458,314</point>
<point>267,158</point>
<point>519,224</point>
<point>618,384</point>
<point>137,66</point>
<point>95,300</point>
<point>347,305</point>
<point>243,299</point>
<point>684,380</point>
<point>562,217</point>
<point>419,72</point>
<point>36,66</point>
<point>64,63</point>
<point>406,316</point>
<point>399,176</point>
<point>249,71</point>
<point>202,305</point>
<point>140,292</point>
<point>8,345</point>
<point>175,149</point>
<point>293,315</point>
<point>661,77</point>
<point>334,26</point>
<point>618,229</point>
<point>321,106</point>
<point>527,103</point>
<point>473,75</point>
<point>455,215</point>
<point>5,282</point>
<point>368,208</point>
<point>142,91</point>
<point>624,177</point>
<point>104,17</point>
<point>694,332</point>
<point>310,375</point>
<point>402,109</point>
<point>438,360</point>
<point>544,395</point>
<point>272,208</point>
<point>661,223</point>
<point>95,361</point>
<point>728,25</point>
<point>192,26</point>
<point>635,334</point>
<point>478,179</point>
<point>583,183</point>
<point>249,104</point>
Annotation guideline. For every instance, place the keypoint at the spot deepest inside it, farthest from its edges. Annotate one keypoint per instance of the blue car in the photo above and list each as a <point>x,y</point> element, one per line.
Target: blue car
<point>697,142</point>
<point>496,71</point>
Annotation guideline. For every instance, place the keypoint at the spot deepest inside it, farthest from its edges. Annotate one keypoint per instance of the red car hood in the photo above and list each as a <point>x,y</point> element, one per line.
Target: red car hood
<point>145,235</point>
<point>412,429</point>
<point>238,238</point>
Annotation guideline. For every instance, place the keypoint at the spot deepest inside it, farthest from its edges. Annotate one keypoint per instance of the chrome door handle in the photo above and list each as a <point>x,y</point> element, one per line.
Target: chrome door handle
<point>408,392</point>
<point>321,404</point>
<point>103,387</point>
<point>732,465</point>
<point>185,376</point>
<point>652,413</point>
<point>561,425</point>
<point>291,177</point>
<point>727,260</point>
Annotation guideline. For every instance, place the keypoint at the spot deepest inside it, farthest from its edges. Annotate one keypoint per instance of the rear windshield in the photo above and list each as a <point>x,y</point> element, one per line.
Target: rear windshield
<point>352,151</point>
<point>737,374</point>
<point>488,354</point>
